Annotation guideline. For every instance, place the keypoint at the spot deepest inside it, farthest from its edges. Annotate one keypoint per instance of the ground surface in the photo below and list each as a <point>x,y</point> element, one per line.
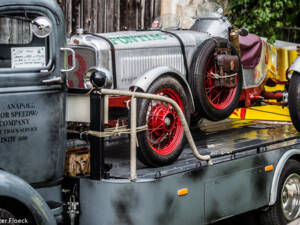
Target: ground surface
<point>245,219</point>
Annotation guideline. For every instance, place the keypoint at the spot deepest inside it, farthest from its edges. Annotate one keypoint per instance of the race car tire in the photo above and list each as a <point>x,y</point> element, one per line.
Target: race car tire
<point>195,117</point>
<point>294,100</point>
<point>213,103</point>
<point>163,141</point>
<point>287,208</point>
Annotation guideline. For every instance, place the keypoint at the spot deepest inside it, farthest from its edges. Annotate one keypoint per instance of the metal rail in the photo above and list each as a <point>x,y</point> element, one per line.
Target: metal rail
<point>135,95</point>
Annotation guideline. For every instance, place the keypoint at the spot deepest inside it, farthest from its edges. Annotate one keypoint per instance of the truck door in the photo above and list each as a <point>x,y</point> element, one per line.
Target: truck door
<point>32,92</point>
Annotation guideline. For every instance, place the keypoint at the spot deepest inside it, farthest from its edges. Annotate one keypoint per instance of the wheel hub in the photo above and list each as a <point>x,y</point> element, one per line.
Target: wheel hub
<point>290,197</point>
<point>168,121</point>
<point>162,118</point>
<point>165,130</point>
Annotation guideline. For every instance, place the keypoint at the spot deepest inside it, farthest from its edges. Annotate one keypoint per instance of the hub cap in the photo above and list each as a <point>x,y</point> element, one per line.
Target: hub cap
<point>219,97</point>
<point>290,197</point>
<point>164,127</point>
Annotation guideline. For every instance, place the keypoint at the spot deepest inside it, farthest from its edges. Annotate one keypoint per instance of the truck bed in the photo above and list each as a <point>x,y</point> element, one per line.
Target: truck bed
<point>223,141</point>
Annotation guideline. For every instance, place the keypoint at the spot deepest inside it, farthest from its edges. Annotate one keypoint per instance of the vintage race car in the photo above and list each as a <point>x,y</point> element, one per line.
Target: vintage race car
<point>200,68</point>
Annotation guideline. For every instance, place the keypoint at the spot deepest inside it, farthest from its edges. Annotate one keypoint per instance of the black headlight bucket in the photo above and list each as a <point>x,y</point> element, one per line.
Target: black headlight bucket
<point>98,78</point>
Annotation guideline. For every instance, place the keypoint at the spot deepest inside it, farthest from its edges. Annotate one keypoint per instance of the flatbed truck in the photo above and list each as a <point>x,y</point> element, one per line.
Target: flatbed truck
<point>252,166</point>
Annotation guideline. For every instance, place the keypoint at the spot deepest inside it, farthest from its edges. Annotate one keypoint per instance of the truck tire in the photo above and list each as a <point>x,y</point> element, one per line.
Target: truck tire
<point>214,103</point>
<point>7,216</point>
<point>163,141</point>
<point>294,100</point>
<point>11,208</point>
<point>287,206</point>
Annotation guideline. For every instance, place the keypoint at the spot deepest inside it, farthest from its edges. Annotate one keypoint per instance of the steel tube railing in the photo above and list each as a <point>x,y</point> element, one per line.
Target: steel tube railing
<point>133,139</point>
<point>184,123</point>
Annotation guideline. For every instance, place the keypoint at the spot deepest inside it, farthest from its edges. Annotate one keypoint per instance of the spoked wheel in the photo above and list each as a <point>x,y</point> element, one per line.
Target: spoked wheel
<point>7,217</point>
<point>213,101</point>
<point>163,141</point>
<point>287,207</point>
<point>218,97</point>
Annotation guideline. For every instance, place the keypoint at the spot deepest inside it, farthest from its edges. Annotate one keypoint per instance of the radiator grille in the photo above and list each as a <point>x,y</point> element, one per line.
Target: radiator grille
<point>85,59</point>
<point>134,63</point>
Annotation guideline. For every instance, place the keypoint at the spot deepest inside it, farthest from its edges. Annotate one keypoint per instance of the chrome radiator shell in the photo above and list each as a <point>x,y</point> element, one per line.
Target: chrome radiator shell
<point>138,52</point>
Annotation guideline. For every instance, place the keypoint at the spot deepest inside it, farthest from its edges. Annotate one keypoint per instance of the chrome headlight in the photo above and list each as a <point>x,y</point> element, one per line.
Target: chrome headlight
<point>98,77</point>
<point>41,27</point>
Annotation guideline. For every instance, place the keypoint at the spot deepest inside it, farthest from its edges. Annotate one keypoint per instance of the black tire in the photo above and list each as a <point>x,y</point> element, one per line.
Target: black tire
<point>163,141</point>
<point>15,210</point>
<point>195,117</point>
<point>294,100</point>
<point>275,214</point>
<point>204,105</point>
<point>7,217</point>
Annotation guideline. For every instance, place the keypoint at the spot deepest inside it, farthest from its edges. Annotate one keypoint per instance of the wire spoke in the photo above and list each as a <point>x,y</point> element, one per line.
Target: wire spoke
<point>217,96</point>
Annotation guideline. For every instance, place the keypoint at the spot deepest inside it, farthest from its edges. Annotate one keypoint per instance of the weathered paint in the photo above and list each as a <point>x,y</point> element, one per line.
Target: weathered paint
<point>32,129</point>
<point>30,136</point>
<point>32,114</point>
<point>215,192</point>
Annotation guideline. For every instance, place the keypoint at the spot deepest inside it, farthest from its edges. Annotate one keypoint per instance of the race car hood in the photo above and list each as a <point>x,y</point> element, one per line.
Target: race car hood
<point>134,52</point>
<point>142,39</point>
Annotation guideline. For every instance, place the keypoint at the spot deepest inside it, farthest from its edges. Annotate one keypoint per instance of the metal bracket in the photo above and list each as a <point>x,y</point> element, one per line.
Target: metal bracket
<point>73,60</point>
<point>53,80</point>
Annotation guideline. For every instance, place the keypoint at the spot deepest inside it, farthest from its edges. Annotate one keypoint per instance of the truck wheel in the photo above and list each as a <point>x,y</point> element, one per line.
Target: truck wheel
<point>164,139</point>
<point>287,206</point>
<point>7,217</point>
<point>214,103</point>
<point>294,100</point>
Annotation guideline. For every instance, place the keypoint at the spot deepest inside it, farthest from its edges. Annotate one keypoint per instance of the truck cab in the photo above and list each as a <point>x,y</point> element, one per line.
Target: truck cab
<point>32,112</point>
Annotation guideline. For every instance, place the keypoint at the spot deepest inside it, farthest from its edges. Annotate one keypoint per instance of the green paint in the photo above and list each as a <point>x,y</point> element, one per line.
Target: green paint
<point>137,38</point>
<point>157,37</point>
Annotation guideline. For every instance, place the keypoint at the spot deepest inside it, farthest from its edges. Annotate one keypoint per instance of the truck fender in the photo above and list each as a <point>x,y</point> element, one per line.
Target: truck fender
<point>16,188</point>
<point>295,66</point>
<point>280,165</point>
<point>151,75</point>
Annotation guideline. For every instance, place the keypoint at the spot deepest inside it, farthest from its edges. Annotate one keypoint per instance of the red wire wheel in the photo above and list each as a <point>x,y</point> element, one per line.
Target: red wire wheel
<point>164,126</point>
<point>219,97</point>
<point>213,102</point>
<point>164,139</point>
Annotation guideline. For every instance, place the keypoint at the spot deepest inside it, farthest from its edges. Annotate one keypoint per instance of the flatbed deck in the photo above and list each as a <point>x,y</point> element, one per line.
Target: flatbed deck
<point>223,141</point>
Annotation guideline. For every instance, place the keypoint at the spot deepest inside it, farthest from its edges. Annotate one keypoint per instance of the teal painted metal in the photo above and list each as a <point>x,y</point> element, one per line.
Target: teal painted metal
<point>32,129</point>
<point>216,192</point>
<point>280,165</point>
<point>32,111</point>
